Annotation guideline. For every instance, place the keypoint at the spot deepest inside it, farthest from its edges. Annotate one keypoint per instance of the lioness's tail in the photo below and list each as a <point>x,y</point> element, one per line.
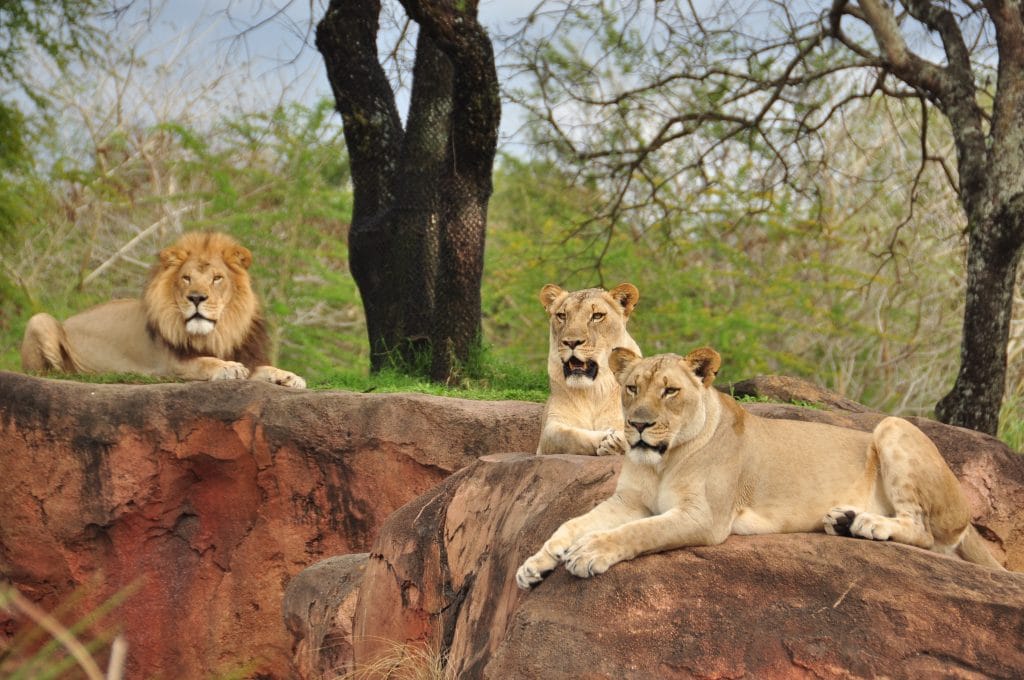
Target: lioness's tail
<point>973,549</point>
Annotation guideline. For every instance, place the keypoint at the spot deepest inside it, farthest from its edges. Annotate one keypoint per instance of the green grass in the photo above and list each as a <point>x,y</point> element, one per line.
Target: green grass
<point>751,399</point>
<point>1011,421</point>
<point>108,378</point>
<point>497,382</point>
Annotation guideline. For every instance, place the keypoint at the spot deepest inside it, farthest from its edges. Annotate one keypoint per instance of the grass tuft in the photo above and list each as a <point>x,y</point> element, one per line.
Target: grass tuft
<point>401,662</point>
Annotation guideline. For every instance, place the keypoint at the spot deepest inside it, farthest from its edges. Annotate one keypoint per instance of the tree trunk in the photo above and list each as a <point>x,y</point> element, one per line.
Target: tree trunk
<point>976,396</point>
<point>991,168</point>
<point>420,195</point>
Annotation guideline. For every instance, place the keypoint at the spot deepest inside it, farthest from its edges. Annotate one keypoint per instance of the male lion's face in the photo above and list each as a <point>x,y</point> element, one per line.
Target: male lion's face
<point>585,326</point>
<point>199,297</point>
<point>202,291</point>
<point>663,399</point>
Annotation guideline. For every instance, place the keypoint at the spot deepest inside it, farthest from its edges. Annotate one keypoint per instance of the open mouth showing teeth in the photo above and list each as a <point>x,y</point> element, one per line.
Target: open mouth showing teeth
<point>656,448</point>
<point>576,366</point>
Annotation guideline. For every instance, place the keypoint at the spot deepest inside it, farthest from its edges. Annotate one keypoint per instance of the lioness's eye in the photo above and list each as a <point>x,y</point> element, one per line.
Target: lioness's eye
<point>560,316</point>
<point>631,389</point>
<point>670,392</point>
<point>597,316</point>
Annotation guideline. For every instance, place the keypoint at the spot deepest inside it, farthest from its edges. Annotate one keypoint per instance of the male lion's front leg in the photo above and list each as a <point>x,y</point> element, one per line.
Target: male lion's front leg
<point>211,368</point>
<point>610,513</point>
<point>595,552</point>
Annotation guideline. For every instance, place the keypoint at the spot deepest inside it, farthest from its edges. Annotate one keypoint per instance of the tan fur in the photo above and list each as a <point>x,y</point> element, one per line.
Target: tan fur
<point>700,468</point>
<point>215,335</point>
<point>584,416</point>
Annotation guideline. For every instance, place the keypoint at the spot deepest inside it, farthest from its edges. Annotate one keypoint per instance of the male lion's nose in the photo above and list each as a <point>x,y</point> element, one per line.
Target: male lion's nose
<point>639,426</point>
<point>572,344</point>
<point>196,298</point>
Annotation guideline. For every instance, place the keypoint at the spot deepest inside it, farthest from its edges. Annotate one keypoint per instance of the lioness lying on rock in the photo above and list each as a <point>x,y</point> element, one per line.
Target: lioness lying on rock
<point>583,414</point>
<point>700,468</point>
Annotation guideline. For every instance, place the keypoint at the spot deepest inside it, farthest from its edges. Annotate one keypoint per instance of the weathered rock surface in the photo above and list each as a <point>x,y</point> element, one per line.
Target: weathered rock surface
<point>441,576</point>
<point>211,496</point>
<point>319,605</point>
<point>783,388</point>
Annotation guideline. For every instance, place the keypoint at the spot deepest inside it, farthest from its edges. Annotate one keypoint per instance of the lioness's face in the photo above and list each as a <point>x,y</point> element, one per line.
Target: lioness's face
<point>202,291</point>
<point>663,399</point>
<point>585,326</point>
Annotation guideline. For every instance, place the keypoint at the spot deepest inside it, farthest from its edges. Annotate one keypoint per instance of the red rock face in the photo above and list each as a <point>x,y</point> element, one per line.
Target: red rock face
<point>442,576</point>
<point>209,497</point>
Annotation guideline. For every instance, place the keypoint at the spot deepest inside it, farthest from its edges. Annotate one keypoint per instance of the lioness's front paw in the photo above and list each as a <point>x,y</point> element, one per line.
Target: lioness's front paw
<point>230,370</point>
<point>591,555</point>
<point>534,570</point>
<point>613,444</point>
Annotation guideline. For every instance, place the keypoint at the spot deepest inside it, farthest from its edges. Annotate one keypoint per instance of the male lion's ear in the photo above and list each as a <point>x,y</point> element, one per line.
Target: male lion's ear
<point>548,295</point>
<point>620,361</point>
<point>626,295</point>
<point>705,363</point>
<point>172,257</point>
<point>238,256</point>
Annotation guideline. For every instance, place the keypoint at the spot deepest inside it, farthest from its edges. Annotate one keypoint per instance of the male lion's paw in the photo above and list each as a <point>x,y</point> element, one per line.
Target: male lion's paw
<point>278,377</point>
<point>613,444</point>
<point>591,555</point>
<point>230,370</point>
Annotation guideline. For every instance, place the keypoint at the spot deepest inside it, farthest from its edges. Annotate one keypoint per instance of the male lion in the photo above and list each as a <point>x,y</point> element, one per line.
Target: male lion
<point>583,414</point>
<point>199,319</point>
<point>700,468</point>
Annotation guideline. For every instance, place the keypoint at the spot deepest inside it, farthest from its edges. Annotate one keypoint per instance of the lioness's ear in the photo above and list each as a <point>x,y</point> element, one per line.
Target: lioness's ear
<point>705,363</point>
<point>626,295</point>
<point>548,295</point>
<point>620,361</point>
<point>172,257</point>
<point>238,256</point>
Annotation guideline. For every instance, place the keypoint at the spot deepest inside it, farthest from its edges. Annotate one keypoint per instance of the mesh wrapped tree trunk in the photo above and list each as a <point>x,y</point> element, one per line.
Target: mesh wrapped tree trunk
<point>416,242</point>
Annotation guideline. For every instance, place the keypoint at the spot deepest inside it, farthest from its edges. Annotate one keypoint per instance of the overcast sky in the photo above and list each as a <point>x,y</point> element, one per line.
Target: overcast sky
<point>263,54</point>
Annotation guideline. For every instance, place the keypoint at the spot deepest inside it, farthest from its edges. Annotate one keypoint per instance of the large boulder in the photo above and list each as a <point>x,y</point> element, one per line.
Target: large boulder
<point>441,578</point>
<point>210,497</point>
<point>319,605</point>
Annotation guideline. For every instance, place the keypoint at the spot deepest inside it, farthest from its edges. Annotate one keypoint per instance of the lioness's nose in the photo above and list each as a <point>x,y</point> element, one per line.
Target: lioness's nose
<point>639,426</point>
<point>572,344</point>
<point>196,298</point>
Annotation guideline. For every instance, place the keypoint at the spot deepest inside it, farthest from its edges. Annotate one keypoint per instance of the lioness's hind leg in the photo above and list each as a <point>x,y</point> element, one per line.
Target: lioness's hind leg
<point>928,508</point>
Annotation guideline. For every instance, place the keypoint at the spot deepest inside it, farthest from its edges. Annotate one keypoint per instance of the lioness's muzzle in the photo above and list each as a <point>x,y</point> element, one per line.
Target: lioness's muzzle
<point>657,448</point>
<point>574,366</point>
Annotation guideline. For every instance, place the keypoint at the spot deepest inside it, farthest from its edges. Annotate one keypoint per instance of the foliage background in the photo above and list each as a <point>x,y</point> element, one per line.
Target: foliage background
<point>811,284</point>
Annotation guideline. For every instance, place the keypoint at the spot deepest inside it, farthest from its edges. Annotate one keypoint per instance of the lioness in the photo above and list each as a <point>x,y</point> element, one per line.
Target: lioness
<point>199,319</point>
<point>700,468</point>
<point>583,414</point>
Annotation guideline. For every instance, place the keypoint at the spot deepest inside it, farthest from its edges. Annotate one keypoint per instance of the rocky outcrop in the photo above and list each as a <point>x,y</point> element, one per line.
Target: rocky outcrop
<point>785,389</point>
<point>441,577</point>
<point>210,497</point>
<point>319,605</point>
